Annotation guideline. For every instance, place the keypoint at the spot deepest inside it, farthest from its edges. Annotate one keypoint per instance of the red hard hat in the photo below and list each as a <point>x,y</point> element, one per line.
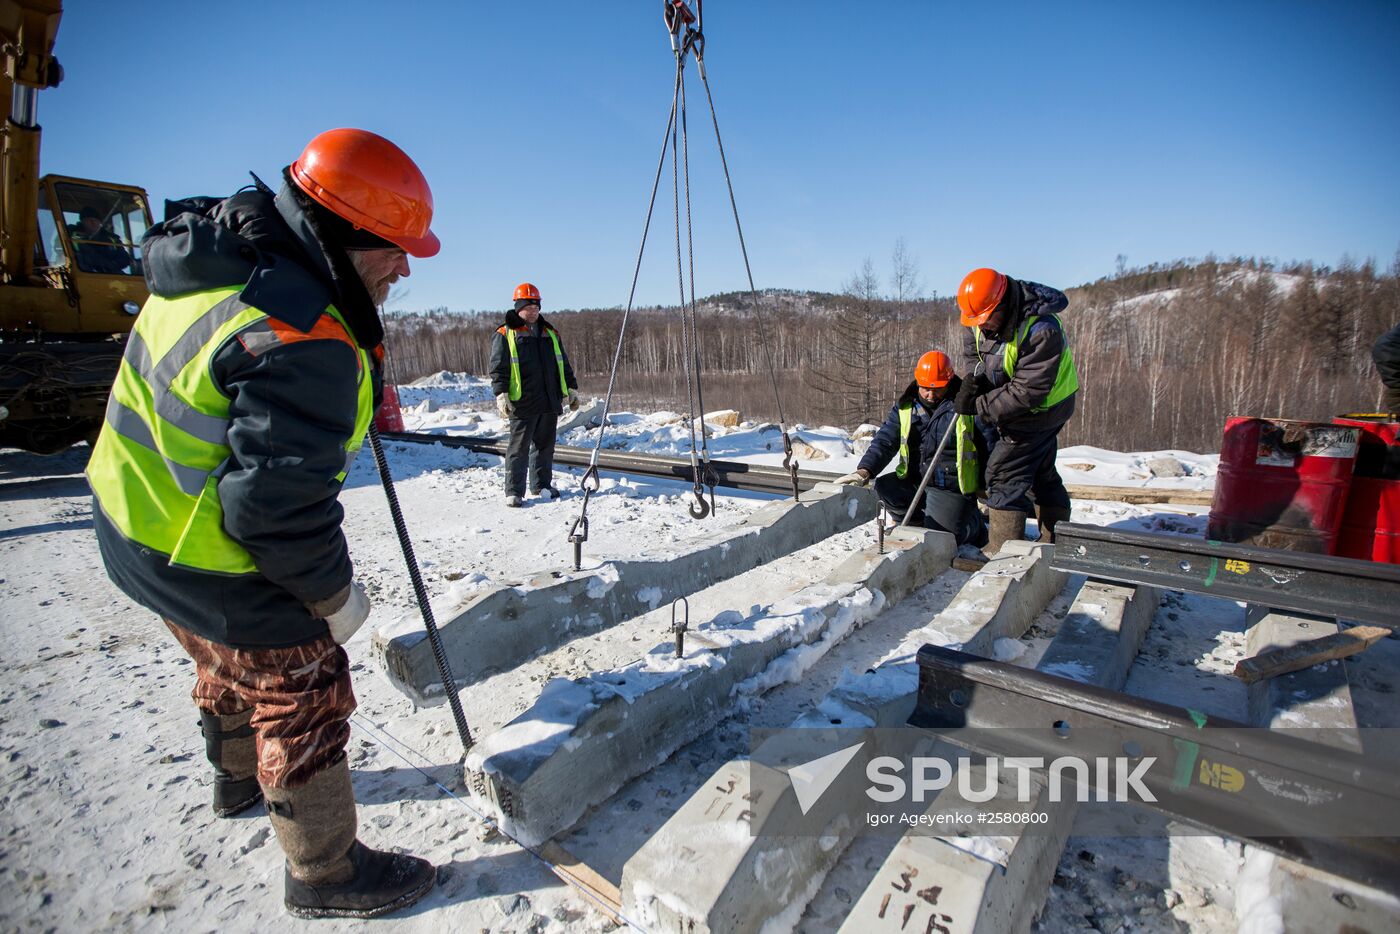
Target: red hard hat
<point>526,291</point>
<point>370,182</point>
<point>980,293</point>
<point>934,370</point>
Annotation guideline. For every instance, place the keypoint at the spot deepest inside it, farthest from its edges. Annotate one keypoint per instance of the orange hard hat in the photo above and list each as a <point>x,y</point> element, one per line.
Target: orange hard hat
<point>980,293</point>
<point>526,292</point>
<point>367,180</point>
<point>934,370</point>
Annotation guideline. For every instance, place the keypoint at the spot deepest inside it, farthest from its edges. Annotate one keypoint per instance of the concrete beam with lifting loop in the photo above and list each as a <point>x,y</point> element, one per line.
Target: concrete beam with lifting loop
<point>514,622</point>
<point>712,868</point>
<point>585,738</point>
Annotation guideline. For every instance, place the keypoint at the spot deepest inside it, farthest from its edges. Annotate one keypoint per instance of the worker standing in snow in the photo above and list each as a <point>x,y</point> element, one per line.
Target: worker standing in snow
<point>1025,389</point>
<point>923,412</point>
<point>533,381</point>
<point>1386,354</point>
<point>247,388</point>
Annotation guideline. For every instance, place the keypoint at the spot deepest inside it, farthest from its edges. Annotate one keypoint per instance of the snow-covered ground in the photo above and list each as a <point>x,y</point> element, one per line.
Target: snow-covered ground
<point>104,811</point>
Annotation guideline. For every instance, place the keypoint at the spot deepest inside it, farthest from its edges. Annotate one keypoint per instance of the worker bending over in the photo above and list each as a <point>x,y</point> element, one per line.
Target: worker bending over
<point>924,412</point>
<point>1024,386</point>
<point>245,392</point>
<point>1386,354</point>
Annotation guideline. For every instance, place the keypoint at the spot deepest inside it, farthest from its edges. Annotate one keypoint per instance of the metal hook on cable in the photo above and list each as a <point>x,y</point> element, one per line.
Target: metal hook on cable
<point>698,508</point>
<point>790,465</point>
<point>680,629</point>
<point>578,532</point>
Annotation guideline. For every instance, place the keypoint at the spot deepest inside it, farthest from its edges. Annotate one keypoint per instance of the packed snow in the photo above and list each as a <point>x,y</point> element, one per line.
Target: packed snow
<point>106,820</point>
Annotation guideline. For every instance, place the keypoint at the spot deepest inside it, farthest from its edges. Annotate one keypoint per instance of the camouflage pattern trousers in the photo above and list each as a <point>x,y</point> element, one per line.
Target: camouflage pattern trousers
<point>300,697</point>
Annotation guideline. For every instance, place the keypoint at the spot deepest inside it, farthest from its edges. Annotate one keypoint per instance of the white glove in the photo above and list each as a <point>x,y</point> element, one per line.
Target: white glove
<point>857,478</point>
<point>504,405</point>
<point>349,616</point>
<point>573,400</point>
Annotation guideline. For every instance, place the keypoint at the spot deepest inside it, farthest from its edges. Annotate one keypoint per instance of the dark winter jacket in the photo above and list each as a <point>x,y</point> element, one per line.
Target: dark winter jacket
<point>925,431</point>
<point>540,393</point>
<point>1009,402</point>
<point>1386,353</point>
<point>293,407</point>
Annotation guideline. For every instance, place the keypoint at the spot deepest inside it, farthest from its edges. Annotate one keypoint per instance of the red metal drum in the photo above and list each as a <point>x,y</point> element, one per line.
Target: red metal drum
<point>1282,483</point>
<point>1371,524</point>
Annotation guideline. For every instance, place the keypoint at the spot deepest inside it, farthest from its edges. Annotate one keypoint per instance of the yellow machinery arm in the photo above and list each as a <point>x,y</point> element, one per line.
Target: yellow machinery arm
<point>27,31</point>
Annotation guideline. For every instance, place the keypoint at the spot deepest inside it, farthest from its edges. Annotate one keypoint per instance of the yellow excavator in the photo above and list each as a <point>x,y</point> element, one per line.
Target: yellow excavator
<point>71,282</point>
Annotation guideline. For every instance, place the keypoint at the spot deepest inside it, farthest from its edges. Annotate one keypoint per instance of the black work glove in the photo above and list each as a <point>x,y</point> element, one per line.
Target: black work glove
<point>966,400</point>
<point>950,391</point>
<point>1391,402</point>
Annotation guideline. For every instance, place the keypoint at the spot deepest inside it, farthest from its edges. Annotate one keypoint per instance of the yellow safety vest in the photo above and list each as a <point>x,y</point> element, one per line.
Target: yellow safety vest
<point>967,448</point>
<point>1066,378</point>
<point>156,466</point>
<point>515,388</point>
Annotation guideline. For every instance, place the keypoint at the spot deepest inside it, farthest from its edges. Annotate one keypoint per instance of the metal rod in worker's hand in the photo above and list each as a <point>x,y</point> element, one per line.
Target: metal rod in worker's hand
<point>449,683</point>
<point>928,474</point>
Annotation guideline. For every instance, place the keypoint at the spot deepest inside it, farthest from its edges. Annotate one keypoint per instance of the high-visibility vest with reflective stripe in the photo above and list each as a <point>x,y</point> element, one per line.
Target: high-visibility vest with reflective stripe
<point>515,387</point>
<point>156,466</point>
<point>967,448</point>
<point>1066,378</point>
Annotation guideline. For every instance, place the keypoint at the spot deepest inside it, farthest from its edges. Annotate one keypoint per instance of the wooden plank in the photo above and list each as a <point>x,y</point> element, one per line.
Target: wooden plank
<point>1306,654</point>
<point>1142,495</point>
<point>606,896</point>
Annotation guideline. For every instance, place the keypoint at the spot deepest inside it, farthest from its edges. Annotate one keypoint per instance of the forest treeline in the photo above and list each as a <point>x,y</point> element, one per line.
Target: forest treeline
<point>1165,352</point>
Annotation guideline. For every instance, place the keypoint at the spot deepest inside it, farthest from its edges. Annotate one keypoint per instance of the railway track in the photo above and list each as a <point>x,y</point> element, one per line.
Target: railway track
<point>751,477</point>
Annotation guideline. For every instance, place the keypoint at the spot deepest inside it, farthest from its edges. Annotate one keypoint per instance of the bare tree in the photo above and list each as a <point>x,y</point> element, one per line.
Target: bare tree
<point>904,273</point>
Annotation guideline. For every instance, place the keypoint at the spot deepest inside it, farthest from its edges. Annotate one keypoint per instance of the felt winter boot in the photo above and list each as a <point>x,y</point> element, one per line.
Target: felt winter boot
<point>329,873</point>
<point>1004,525</point>
<point>1049,516</point>
<point>230,745</point>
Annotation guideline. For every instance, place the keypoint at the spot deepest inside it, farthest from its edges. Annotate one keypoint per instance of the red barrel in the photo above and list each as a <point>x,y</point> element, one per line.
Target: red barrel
<point>390,416</point>
<point>1371,524</point>
<point>1282,483</point>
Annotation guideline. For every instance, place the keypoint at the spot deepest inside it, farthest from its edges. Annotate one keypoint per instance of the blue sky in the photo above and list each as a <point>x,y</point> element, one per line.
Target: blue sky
<point>1041,138</point>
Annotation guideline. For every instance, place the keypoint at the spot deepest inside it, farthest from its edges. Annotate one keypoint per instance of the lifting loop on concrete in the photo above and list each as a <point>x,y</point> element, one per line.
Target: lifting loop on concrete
<point>679,629</point>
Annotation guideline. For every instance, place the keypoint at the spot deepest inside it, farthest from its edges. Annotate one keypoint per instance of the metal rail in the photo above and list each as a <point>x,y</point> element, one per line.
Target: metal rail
<point>1313,802</point>
<point>732,474</point>
<point>1341,588</point>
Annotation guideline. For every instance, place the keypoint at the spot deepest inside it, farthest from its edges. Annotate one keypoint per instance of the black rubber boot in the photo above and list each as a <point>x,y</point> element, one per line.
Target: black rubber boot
<point>382,883</point>
<point>1003,526</point>
<point>1048,516</point>
<point>329,873</point>
<point>231,747</point>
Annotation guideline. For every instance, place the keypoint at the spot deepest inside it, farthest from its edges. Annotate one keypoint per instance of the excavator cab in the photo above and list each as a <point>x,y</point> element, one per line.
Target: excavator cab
<point>90,228</point>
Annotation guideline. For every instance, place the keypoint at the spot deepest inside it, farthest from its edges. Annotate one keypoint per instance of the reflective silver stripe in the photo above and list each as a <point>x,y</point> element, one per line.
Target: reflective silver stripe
<point>131,426</point>
<point>211,429</point>
<point>350,459</point>
<point>194,339</point>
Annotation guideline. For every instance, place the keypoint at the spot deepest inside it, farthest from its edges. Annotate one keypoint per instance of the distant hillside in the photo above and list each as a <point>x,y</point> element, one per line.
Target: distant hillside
<point>1165,352</point>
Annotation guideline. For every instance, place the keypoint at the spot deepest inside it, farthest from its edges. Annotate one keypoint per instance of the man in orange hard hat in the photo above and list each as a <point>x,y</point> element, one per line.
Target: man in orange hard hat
<point>533,381</point>
<point>1025,386</point>
<point>246,390</point>
<point>924,412</point>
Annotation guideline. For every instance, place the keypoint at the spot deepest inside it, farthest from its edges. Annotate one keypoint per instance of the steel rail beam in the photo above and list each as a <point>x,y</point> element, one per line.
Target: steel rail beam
<point>732,474</point>
<point>1324,585</point>
<point>1273,789</point>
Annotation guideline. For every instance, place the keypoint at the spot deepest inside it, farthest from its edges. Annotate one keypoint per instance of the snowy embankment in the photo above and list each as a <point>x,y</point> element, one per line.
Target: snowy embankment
<point>459,404</point>
<point>105,802</point>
